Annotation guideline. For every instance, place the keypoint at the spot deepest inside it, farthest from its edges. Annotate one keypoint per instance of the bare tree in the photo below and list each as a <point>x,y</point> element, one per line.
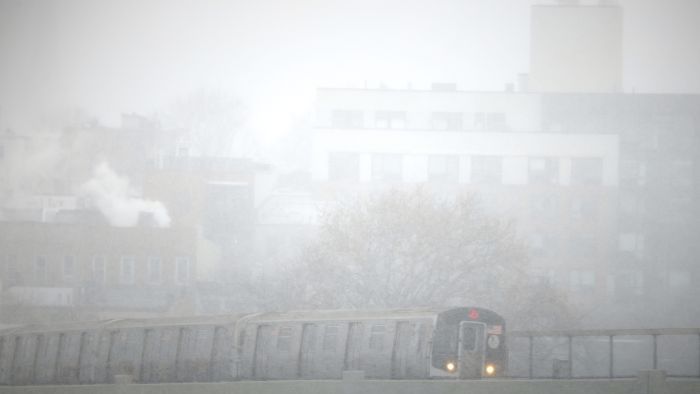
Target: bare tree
<point>211,123</point>
<point>408,249</point>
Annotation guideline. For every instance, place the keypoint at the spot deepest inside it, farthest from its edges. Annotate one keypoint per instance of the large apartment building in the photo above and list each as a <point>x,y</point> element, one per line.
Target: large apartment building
<point>604,187</point>
<point>561,188</point>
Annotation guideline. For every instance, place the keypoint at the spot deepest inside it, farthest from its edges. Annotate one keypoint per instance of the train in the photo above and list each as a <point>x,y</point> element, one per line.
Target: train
<point>447,343</point>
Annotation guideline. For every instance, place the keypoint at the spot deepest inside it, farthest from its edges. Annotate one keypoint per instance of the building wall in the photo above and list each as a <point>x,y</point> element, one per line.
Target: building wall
<point>560,188</point>
<point>659,187</point>
<point>521,110</point>
<point>516,149</point>
<point>47,255</point>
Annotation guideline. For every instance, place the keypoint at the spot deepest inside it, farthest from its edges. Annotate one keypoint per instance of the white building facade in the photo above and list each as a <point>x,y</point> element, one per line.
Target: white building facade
<point>560,188</point>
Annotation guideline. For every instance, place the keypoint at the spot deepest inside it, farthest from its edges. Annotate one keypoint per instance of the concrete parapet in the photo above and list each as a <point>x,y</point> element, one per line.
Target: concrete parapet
<point>353,375</point>
<point>652,382</point>
<point>647,382</point>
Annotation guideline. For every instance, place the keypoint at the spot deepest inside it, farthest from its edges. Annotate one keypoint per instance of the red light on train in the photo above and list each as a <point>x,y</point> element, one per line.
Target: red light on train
<point>473,314</point>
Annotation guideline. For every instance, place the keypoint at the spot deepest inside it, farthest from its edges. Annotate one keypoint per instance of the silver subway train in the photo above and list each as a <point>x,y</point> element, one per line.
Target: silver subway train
<point>461,343</point>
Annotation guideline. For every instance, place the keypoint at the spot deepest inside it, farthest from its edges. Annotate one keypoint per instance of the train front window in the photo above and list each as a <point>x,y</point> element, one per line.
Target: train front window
<point>468,339</point>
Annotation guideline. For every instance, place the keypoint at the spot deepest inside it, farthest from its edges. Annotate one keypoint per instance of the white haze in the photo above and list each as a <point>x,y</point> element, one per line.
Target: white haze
<point>104,56</point>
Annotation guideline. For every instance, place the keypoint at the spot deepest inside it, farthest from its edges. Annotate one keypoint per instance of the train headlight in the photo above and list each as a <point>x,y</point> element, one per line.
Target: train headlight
<point>450,366</point>
<point>490,369</point>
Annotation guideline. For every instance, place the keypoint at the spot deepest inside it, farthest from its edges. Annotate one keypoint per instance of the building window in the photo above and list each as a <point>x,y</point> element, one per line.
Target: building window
<point>330,339</point>
<point>679,279</point>
<point>154,270</point>
<point>182,151</point>
<point>182,270</point>
<point>631,243</point>
<point>11,275</point>
<point>40,268</point>
<point>390,119</point>
<point>376,337</point>
<point>347,119</point>
<point>537,244</point>
<point>69,268</point>
<point>284,339</point>
<point>543,207</point>
<point>587,171</point>
<point>443,168</point>
<point>681,175</point>
<point>633,173</point>
<point>490,121</point>
<point>447,121</point>
<point>582,207</point>
<point>496,121</point>
<point>629,285</point>
<point>343,166</point>
<point>386,167</point>
<point>99,269</point>
<point>582,280</point>
<point>583,246</point>
<point>543,171</point>
<point>127,272</point>
<point>486,169</point>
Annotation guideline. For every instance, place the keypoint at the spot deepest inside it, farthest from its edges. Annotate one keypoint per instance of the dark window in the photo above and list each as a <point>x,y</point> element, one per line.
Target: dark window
<point>479,121</point>
<point>376,337</point>
<point>469,338</point>
<point>386,167</point>
<point>284,339</point>
<point>486,170</point>
<point>10,269</point>
<point>347,119</point>
<point>68,267</point>
<point>587,171</point>
<point>343,166</point>
<point>330,338</point>
<point>496,121</point>
<point>390,119</point>
<point>99,269</point>
<point>628,285</point>
<point>632,173</point>
<point>583,246</point>
<point>126,275</point>
<point>447,121</point>
<point>154,269</point>
<point>543,171</point>
<point>443,168</point>
<point>583,208</point>
<point>182,270</point>
<point>40,269</point>
<point>491,121</point>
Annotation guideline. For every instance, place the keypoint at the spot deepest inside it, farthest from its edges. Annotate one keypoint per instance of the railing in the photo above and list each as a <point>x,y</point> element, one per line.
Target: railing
<point>604,353</point>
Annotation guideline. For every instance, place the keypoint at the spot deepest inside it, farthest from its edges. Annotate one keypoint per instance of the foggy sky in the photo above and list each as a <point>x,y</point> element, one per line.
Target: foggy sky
<point>110,57</point>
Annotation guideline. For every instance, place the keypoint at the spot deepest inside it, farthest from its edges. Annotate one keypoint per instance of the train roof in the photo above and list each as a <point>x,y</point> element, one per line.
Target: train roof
<point>219,320</point>
<point>344,315</point>
<point>126,323</point>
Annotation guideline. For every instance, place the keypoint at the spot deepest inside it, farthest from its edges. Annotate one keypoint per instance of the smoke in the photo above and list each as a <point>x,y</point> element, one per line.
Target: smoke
<point>112,196</point>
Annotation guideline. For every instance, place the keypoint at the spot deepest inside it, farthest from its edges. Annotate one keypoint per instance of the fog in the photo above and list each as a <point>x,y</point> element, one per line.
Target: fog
<point>168,159</point>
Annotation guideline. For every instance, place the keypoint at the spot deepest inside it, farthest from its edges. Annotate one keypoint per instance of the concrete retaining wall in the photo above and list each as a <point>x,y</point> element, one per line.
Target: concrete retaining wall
<point>648,382</point>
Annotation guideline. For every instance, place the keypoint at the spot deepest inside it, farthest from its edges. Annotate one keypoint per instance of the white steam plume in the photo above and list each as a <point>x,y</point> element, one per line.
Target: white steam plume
<point>112,196</point>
